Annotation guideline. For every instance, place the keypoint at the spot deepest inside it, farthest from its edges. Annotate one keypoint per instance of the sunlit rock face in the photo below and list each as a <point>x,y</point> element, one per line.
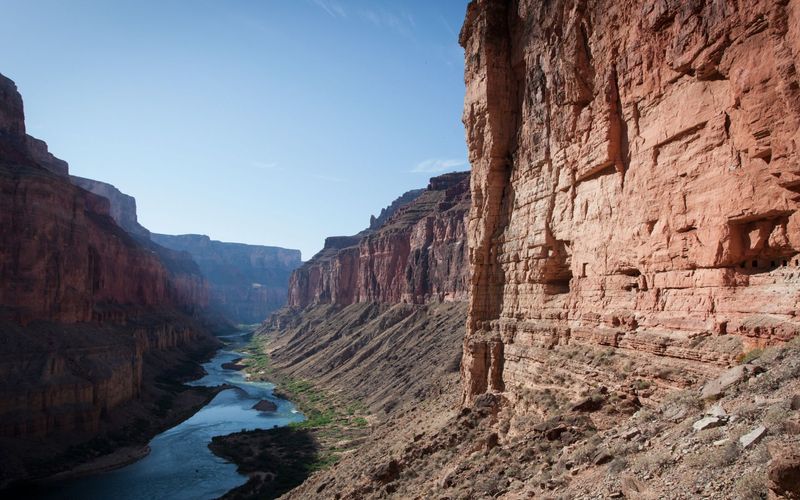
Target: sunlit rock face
<point>634,185</point>
<point>415,255</point>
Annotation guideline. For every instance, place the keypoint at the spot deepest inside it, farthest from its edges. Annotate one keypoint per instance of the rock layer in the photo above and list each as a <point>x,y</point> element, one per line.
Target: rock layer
<point>634,183</point>
<point>82,302</point>
<point>417,255</point>
<point>247,282</point>
<point>122,207</point>
<point>188,285</point>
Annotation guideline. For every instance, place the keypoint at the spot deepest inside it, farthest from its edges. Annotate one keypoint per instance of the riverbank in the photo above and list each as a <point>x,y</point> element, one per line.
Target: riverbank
<point>277,460</point>
<point>180,465</point>
<point>165,401</point>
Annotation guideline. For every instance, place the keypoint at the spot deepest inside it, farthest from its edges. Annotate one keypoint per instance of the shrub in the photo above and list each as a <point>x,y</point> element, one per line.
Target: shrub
<point>751,486</point>
<point>749,356</point>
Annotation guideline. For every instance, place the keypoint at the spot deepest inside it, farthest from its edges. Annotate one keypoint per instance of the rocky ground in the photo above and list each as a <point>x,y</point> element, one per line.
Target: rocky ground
<point>740,441</point>
<point>384,361</point>
<point>382,356</point>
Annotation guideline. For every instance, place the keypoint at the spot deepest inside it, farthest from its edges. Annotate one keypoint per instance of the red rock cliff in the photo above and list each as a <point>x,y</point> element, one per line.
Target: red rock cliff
<point>418,254</point>
<point>186,283</point>
<point>635,183</point>
<point>81,301</point>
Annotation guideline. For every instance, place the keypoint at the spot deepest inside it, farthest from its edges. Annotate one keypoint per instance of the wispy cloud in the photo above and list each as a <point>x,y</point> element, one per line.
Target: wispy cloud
<point>326,178</point>
<point>266,165</point>
<point>434,165</point>
<point>400,22</point>
<point>449,28</point>
<point>332,7</point>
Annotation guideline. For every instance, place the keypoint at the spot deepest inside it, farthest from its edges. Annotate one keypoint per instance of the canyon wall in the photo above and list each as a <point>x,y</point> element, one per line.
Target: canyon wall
<point>187,284</point>
<point>122,207</point>
<point>379,317</point>
<point>634,184</point>
<point>418,254</point>
<point>82,301</point>
<point>247,282</point>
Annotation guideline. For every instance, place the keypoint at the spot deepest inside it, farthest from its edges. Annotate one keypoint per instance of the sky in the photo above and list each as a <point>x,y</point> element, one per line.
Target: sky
<point>271,122</point>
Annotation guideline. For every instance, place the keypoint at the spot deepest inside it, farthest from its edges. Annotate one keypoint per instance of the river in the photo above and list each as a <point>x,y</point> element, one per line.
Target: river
<point>180,465</point>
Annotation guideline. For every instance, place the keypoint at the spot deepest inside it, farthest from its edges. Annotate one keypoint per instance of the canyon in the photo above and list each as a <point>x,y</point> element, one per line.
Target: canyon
<point>242,283</point>
<point>91,316</point>
<point>368,310</point>
<point>605,306</point>
<point>632,250</point>
<point>246,282</point>
<point>373,326</point>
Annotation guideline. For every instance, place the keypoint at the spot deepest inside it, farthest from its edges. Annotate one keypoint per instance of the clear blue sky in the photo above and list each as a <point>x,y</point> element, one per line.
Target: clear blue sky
<point>267,122</point>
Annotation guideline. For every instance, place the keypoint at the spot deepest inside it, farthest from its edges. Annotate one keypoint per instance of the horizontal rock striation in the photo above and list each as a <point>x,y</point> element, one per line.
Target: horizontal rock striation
<point>246,282</point>
<point>418,254</point>
<point>83,303</point>
<point>185,281</point>
<point>66,378</point>
<point>634,185</point>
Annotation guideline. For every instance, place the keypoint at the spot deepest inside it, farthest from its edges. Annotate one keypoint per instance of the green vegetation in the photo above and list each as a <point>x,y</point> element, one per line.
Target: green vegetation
<point>287,455</point>
<point>749,356</point>
<point>329,419</point>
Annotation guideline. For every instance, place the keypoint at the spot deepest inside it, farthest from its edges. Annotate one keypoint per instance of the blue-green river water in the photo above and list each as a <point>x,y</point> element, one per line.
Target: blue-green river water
<point>180,465</point>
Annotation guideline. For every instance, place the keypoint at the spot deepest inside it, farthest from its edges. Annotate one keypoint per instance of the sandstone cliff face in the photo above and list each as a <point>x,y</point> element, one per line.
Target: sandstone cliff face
<point>634,184</point>
<point>82,302</point>
<point>61,379</point>
<point>247,282</point>
<point>122,207</point>
<point>418,254</point>
<point>186,283</point>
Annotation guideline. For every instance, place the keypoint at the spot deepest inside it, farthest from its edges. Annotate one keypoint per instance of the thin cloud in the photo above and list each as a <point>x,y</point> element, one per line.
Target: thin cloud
<point>434,165</point>
<point>332,7</point>
<point>449,28</point>
<point>326,178</point>
<point>401,23</point>
<point>266,165</point>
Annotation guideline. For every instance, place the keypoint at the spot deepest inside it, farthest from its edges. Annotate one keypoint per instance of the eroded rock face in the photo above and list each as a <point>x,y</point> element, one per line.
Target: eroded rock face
<point>417,254</point>
<point>186,283</point>
<point>122,207</point>
<point>634,183</point>
<point>82,302</point>
<point>247,282</point>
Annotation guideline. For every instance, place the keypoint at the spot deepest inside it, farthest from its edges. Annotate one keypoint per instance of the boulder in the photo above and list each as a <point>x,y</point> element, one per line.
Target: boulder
<point>753,437</point>
<point>708,423</point>
<point>783,472</point>
<point>715,388</point>
<point>265,406</point>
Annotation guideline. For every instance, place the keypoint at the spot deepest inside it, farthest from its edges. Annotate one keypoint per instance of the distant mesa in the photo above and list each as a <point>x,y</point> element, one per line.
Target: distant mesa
<point>247,282</point>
